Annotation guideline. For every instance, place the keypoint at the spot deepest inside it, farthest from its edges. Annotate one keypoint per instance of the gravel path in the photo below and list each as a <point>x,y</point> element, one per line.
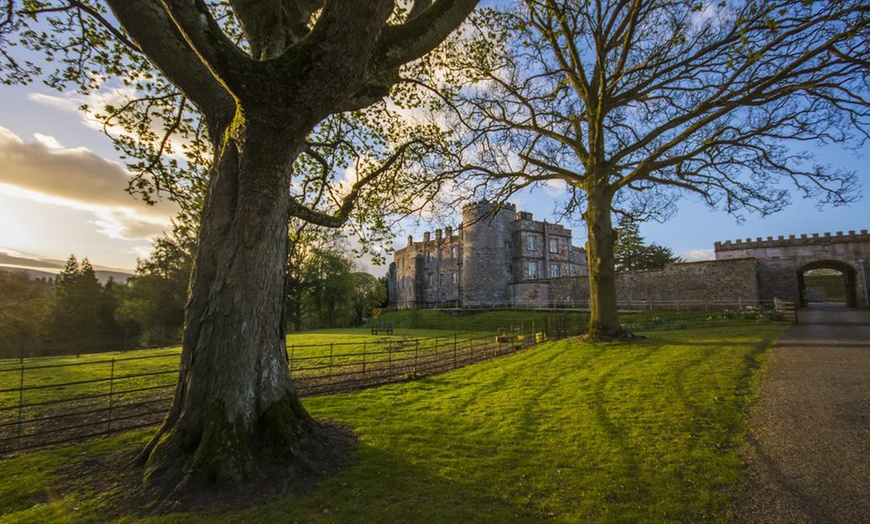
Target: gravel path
<point>809,449</point>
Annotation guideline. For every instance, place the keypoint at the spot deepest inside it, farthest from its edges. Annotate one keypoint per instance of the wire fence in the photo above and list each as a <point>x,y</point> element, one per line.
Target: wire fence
<point>47,402</point>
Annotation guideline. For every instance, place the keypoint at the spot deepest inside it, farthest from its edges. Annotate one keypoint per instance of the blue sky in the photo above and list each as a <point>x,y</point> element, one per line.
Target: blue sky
<point>62,192</point>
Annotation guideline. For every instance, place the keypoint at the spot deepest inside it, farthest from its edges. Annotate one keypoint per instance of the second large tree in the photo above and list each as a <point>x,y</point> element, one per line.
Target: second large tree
<point>625,102</point>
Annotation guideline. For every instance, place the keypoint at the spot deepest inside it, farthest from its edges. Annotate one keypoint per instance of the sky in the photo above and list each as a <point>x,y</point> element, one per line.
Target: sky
<point>62,192</point>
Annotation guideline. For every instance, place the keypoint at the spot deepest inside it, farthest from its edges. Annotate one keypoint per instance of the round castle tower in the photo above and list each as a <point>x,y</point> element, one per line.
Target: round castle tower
<point>487,229</point>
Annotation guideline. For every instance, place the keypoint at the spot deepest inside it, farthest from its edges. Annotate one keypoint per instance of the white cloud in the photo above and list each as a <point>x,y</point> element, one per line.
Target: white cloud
<point>554,187</point>
<point>96,102</point>
<point>78,178</point>
<point>697,255</point>
<point>48,141</point>
<point>72,102</point>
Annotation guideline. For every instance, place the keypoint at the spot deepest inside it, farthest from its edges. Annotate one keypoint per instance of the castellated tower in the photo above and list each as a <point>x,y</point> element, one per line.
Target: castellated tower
<point>487,229</point>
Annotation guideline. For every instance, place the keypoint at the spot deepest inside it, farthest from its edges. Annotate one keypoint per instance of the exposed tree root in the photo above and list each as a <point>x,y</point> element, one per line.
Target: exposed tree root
<point>326,451</point>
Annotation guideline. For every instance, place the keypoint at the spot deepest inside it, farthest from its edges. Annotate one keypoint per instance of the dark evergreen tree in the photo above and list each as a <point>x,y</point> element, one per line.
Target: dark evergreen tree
<point>78,301</point>
<point>25,309</point>
<point>156,296</point>
<point>632,253</point>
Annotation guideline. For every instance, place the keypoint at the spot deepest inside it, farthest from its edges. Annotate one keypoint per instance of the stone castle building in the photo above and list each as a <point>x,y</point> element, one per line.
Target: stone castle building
<point>499,257</point>
<point>495,257</point>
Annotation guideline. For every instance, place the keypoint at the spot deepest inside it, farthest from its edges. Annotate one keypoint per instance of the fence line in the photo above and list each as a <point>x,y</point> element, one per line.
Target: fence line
<point>43,410</point>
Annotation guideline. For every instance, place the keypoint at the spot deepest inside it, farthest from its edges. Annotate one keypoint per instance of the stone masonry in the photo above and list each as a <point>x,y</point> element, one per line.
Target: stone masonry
<point>478,264</point>
<point>501,258</point>
<point>782,262</point>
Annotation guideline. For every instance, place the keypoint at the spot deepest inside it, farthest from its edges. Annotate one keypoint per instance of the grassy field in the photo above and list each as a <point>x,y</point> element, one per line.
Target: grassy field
<point>48,379</point>
<point>486,321</point>
<point>647,431</point>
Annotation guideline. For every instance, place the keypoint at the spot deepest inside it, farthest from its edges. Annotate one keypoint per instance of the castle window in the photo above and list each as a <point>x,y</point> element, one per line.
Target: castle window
<point>533,270</point>
<point>441,279</point>
<point>554,245</point>
<point>453,252</point>
<point>453,277</point>
<point>554,270</point>
<point>531,244</point>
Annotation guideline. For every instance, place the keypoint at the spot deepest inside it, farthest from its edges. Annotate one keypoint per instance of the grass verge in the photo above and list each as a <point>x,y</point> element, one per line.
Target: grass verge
<point>647,431</point>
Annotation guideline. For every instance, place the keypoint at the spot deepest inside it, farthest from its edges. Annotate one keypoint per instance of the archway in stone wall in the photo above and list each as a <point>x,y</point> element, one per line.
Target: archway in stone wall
<point>828,282</point>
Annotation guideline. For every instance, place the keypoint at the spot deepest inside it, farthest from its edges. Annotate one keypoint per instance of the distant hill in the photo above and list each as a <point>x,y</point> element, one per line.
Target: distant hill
<point>102,275</point>
<point>48,268</point>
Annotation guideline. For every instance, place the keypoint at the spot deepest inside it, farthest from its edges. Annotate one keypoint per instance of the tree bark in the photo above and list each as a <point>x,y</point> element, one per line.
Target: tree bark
<point>603,313</point>
<point>235,408</point>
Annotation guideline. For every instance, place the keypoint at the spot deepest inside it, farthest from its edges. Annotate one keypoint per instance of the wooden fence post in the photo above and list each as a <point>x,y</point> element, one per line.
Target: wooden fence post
<point>389,358</point>
<point>20,402</point>
<point>111,397</point>
<point>331,347</point>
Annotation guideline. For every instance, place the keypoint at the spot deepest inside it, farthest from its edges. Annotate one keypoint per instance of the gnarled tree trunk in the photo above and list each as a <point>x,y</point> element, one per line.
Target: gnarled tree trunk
<point>235,408</point>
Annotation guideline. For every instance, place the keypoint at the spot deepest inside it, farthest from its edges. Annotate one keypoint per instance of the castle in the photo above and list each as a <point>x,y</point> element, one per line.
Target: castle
<point>497,256</point>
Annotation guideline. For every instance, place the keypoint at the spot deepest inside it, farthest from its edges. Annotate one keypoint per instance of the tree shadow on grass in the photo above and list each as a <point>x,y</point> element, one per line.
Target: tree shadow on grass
<point>385,487</point>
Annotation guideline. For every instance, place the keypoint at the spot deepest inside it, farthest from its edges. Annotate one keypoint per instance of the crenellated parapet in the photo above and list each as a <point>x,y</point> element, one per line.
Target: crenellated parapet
<point>815,239</point>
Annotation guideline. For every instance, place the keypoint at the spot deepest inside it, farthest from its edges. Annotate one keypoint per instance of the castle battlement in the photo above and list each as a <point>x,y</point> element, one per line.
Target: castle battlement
<point>494,248</point>
<point>794,241</point>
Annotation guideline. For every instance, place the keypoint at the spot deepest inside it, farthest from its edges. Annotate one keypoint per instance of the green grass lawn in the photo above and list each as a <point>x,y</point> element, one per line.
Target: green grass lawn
<point>647,431</point>
<point>48,379</point>
<point>488,321</point>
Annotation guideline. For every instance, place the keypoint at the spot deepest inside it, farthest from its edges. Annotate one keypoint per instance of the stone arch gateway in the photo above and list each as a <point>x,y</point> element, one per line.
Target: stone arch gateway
<point>847,276</point>
<point>782,262</point>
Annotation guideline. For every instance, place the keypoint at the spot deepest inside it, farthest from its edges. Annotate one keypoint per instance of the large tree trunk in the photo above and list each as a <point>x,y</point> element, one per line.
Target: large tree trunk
<point>603,314</point>
<point>235,408</point>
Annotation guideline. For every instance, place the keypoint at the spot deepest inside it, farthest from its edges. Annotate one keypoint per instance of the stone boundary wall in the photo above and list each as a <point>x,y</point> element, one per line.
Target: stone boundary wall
<point>710,282</point>
<point>815,239</point>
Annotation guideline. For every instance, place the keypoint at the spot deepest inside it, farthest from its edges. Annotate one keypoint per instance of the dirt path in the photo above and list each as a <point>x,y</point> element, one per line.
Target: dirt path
<point>809,449</point>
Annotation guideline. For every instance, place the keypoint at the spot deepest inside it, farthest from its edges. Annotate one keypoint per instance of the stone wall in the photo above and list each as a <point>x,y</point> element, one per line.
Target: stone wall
<point>782,261</point>
<point>530,294</point>
<point>712,282</point>
<point>691,284</point>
